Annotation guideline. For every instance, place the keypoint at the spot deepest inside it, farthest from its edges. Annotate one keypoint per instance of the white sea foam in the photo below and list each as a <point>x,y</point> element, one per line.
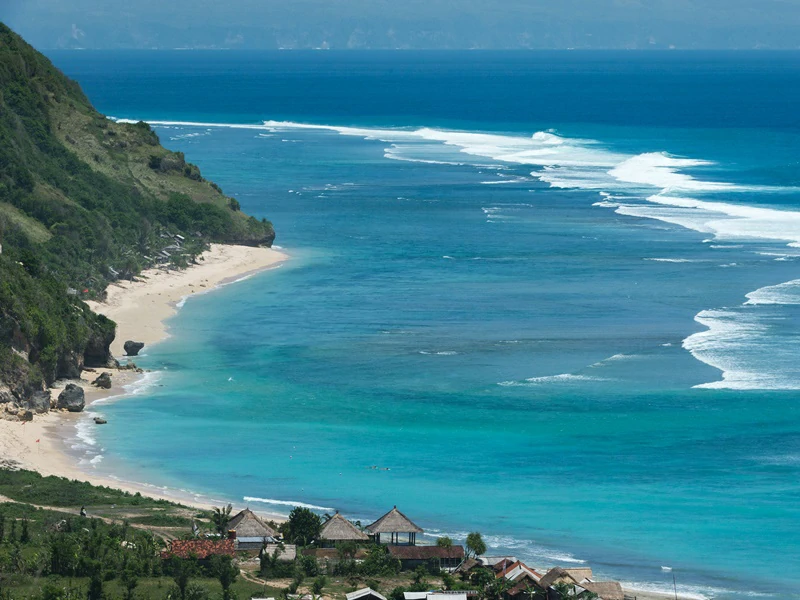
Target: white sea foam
<point>562,378</point>
<point>651,185</point>
<point>740,343</point>
<point>672,260</point>
<point>528,550</point>
<point>785,293</point>
<point>286,503</point>
<point>659,170</point>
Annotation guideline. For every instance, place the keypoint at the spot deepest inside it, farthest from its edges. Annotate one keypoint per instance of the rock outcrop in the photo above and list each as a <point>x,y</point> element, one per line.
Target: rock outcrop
<point>104,381</point>
<point>132,348</point>
<point>39,402</point>
<point>98,348</point>
<point>5,394</point>
<point>72,398</point>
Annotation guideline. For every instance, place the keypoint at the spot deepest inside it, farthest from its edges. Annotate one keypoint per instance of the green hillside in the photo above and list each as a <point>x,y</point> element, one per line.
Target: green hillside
<point>84,201</point>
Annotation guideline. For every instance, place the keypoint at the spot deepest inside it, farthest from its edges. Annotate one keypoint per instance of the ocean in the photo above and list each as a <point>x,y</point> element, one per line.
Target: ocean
<point>550,297</point>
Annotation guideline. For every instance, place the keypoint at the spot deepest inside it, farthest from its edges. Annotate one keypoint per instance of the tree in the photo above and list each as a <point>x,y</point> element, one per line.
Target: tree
<point>319,584</point>
<point>303,526</point>
<point>379,562</point>
<point>475,544</point>
<point>444,542</point>
<point>25,535</point>
<point>480,578</point>
<point>497,589</point>
<point>130,581</point>
<point>182,571</point>
<point>95,591</point>
<point>220,518</point>
<point>346,550</point>
<point>223,568</point>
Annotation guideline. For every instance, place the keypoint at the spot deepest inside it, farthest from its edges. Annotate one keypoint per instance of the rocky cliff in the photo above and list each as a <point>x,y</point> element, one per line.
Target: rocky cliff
<point>84,201</point>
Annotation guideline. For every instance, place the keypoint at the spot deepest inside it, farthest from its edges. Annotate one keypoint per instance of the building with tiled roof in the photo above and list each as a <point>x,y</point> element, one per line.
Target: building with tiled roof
<point>200,549</point>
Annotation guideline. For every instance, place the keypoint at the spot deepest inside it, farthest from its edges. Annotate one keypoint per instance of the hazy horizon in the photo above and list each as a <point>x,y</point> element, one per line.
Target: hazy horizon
<point>414,24</point>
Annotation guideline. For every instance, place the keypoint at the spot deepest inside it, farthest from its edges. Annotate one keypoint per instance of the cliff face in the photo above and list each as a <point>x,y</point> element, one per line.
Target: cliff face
<point>83,202</point>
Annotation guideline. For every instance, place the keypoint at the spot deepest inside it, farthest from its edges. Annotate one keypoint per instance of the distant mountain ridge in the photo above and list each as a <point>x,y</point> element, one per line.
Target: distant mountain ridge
<point>408,24</point>
<point>83,202</point>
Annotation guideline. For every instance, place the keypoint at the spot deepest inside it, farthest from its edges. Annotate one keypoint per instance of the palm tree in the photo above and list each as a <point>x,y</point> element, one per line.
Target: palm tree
<point>220,518</point>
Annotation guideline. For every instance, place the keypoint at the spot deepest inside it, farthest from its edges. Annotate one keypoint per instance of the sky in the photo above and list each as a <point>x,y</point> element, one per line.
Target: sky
<point>406,24</point>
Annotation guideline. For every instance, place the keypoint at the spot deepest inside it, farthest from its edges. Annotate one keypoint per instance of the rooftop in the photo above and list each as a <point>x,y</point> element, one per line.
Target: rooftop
<point>337,528</point>
<point>394,522</point>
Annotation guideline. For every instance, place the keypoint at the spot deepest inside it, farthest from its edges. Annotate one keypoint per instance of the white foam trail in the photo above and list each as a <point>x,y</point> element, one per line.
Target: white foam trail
<point>785,293</point>
<point>286,503</point>
<point>651,185</point>
<point>562,378</point>
<point>734,221</point>
<point>672,260</point>
<point>742,344</point>
<point>659,170</point>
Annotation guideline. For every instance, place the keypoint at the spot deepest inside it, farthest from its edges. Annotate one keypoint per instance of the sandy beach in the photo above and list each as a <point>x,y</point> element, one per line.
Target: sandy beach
<point>140,309</point>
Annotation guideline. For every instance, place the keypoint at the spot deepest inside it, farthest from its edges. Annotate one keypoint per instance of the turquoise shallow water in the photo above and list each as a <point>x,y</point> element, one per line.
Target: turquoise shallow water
<point>518,286</point>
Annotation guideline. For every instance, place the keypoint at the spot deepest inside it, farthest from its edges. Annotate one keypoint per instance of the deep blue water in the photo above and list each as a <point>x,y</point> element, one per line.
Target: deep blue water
<point>518,286</point>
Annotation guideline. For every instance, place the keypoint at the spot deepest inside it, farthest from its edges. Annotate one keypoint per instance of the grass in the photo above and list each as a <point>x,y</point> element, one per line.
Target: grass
<point>31,488</point>
<point>161,519</point>
<point>35,231</point>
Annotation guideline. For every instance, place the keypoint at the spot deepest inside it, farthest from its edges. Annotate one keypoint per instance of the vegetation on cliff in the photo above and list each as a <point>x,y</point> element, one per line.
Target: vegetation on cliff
<point>84,201</point>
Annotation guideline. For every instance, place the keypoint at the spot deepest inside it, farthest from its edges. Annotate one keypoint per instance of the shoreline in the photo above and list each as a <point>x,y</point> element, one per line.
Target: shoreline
<point>140,309</point>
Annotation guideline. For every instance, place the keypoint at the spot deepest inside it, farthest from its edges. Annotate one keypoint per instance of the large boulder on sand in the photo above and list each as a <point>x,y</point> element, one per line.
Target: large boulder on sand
<point>132,348</point>
<point>104,381</point>
<point>39,402</point>
<point>72,398</point>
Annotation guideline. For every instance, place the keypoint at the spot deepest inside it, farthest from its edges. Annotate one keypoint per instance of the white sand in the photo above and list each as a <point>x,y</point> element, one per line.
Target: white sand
<point>140,309</point>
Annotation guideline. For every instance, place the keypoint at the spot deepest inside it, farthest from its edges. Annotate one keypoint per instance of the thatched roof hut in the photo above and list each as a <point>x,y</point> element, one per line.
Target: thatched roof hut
<point>339,529</point>
<point>250,529</point>
<point>557,575</point>
<point>607,590</point>
<point>394,522</point>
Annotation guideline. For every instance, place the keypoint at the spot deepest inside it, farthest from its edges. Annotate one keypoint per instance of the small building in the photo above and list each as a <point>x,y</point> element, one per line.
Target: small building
<point>286,552</point>
<point>394,523</point>
<point>365,594</point>
<point>558,575</point>
<point>442,595</point>
<point>250,530</point>
<point>338,529</point>
<point>468,565</point>
<point>607,590</point>
<point>200,549</point>
<point>410,557</point>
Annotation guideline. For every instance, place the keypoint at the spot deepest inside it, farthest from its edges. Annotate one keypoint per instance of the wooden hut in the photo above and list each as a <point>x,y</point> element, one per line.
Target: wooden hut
<point>251,531</point>
<point>338,529</point>
<point>394,523</point>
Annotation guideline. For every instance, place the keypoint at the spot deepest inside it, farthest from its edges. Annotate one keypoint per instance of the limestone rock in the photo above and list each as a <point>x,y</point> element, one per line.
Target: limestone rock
<point>5,394</point>
<point>39,402</point>
<point>104,381</point>
<point>132,348</point>
<point>25,415</point>
<point>98,353</point>
<point>72,398</point>
<point>69,365</point>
